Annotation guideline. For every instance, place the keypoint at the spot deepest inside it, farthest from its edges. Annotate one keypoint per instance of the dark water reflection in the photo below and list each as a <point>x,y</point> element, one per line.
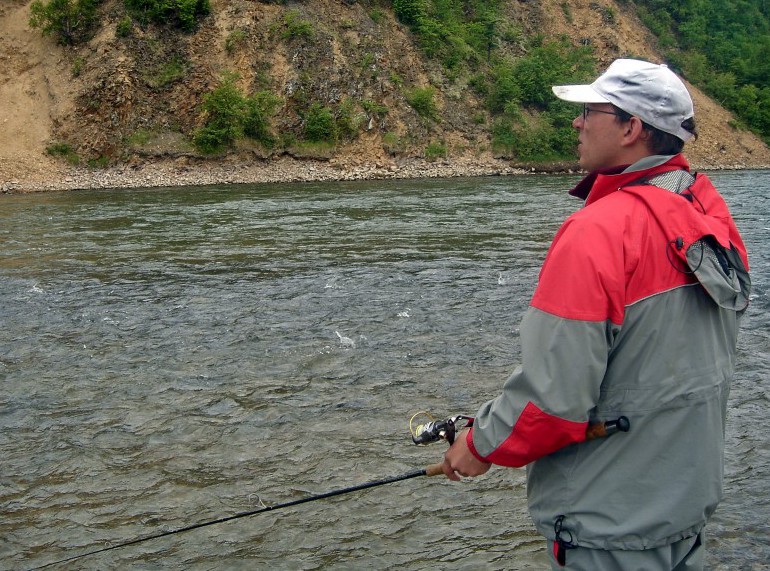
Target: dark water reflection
<point>172,356</point>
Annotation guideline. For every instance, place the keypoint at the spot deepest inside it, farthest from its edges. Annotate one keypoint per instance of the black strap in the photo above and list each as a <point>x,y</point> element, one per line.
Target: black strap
<point>561,543</point>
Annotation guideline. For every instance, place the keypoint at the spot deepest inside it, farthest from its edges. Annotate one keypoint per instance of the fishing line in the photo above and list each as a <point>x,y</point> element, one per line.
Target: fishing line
<point>432,431</point>
<point>432,470</point>
<point>415,429</point>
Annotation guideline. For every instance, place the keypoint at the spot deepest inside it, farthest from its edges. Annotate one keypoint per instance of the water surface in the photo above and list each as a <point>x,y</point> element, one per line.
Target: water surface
<point>170,356</point>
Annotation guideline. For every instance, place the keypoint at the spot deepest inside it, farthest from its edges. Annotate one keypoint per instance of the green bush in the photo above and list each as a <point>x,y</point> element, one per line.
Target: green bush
<point>320,124</point>
<point>421,100</point>
<point>531,124</point>
<point>77,66</point>
<point>70,21</point>
<point>752,105</point>
<point>167,72</point>
<point>526,144</point>
<point>348,121</point>
<point>435,150</point>
<point>410,12</point>
<point>124,27</point>
<point>183,14</point>
<point>231,116</point>
<point>259,108</point>
<point>377,15</point>
<point>542,138</point>
<point>392,143</point>
<point>374,109</point>
<point>212,139</point>
<point>296,27</point>
<point>65,151</point>
<point>234,39</point>
<point>98,163</point>
<point>503,88</point>
<point>224,124</point>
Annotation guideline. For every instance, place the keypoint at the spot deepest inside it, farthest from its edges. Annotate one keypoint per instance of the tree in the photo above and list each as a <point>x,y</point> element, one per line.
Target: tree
<point>721,46</point>
<point>71,21</point>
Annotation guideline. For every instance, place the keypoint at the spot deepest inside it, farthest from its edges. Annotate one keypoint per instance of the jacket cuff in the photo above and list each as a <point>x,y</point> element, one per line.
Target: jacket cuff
<point>471,447</point>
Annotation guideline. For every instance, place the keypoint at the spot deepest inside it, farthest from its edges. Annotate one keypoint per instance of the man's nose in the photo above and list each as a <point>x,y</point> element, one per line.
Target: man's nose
<point>577,122</point>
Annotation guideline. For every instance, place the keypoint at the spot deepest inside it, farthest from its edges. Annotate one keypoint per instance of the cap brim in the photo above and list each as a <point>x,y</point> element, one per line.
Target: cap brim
<point>578,94</point>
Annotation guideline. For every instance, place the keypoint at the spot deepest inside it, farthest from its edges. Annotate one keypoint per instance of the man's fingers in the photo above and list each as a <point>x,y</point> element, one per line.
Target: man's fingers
<point>450,472</point>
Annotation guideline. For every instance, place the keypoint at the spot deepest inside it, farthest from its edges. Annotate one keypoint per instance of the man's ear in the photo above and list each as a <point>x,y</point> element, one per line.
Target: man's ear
<point>634,132</point>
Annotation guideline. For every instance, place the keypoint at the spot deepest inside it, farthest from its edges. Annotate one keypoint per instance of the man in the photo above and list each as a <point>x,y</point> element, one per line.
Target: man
<point>635,314</point>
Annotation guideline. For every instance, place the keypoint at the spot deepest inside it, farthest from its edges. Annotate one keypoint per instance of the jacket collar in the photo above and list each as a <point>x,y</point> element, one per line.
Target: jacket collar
<point>600,183</point>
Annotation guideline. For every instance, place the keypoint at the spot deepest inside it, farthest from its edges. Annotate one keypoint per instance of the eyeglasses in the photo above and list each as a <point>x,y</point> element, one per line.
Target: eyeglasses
<point>587,110</point>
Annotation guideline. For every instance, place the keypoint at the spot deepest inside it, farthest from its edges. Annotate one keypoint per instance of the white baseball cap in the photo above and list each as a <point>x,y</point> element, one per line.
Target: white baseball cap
<point>649,91</point>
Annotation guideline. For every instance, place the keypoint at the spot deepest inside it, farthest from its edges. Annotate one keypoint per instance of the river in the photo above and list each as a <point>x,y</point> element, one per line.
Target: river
<point>172,356</point>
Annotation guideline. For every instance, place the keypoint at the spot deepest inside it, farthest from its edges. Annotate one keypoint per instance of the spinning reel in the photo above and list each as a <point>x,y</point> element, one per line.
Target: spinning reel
<point>435,430</point>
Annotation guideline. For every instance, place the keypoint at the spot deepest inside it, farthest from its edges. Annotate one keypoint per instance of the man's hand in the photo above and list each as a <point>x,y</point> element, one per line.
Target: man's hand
<point>460,461</point>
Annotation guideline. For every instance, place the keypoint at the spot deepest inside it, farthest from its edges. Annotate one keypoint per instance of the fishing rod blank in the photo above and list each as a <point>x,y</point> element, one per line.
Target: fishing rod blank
<point>431,470</point>
<point>430,432</point>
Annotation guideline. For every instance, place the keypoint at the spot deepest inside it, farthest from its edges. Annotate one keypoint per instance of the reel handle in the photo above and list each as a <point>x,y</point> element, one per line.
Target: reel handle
<point>608,428</point>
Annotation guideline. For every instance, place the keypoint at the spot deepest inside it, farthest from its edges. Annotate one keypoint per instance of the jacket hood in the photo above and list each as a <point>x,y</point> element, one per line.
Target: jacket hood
<point>703,238</point>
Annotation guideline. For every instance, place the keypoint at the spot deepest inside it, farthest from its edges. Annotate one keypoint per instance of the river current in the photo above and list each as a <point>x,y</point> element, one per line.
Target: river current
<point>173,356</point>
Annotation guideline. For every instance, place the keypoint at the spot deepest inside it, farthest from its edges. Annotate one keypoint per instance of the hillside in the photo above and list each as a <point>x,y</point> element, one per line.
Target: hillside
<point>127,106</point>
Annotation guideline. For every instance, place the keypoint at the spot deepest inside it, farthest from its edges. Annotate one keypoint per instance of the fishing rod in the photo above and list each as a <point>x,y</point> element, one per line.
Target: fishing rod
<point>431,470</point>
<point>431,431</point>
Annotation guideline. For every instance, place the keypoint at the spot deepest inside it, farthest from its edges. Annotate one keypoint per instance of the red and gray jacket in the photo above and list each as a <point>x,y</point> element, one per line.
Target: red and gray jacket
<point>636,313</point>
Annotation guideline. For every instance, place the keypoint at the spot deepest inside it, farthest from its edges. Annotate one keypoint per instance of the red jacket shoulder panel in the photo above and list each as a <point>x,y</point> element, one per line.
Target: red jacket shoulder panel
<point>583,275</point>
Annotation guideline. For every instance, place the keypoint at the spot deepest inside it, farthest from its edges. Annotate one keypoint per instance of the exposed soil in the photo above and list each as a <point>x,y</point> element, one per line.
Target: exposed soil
<point>26,99</point>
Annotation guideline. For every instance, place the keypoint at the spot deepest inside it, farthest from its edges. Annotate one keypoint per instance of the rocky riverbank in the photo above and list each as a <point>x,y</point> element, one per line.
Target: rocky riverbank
<point>191,171</point>
<point>184,172</point>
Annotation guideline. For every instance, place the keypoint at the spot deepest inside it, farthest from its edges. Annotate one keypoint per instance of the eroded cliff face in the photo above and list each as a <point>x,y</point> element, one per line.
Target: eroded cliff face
<point>121,91</point>
<point>137,99</point>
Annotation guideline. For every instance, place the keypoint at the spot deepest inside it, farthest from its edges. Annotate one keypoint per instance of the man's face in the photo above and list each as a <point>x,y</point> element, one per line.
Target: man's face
<point>599,136</point>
